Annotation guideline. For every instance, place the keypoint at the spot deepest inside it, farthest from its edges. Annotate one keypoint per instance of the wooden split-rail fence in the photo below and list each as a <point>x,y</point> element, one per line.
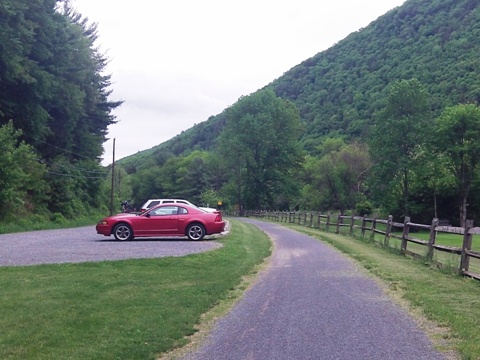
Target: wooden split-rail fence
<point>374,227</point>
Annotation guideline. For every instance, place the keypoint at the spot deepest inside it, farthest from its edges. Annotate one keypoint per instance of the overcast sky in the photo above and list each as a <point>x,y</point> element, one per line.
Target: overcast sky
<point>175,63</point>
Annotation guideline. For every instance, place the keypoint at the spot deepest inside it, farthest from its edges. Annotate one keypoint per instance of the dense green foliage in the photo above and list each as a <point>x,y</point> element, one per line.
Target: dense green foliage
<point>397,138</point>
<point>53,88</point>
<point>457,135</point>
<point>340,90</point>
<point>336,179</point>
<point>260,149</point>
<point>20,172</point>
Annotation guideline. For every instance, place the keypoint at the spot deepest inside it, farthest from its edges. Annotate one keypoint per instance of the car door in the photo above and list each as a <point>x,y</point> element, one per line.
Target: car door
<point>162,220</point>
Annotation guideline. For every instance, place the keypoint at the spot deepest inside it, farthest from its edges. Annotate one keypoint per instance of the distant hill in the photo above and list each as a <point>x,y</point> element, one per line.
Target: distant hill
<point>338,91</point>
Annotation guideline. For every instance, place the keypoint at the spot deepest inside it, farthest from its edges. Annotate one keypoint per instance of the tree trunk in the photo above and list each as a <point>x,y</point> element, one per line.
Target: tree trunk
<point>406,195</point>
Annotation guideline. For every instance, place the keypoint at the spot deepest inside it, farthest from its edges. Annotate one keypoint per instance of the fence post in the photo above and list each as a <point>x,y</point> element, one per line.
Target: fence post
<point>467,245</point>
<point>432,238</point>
<point>319,221</point>
<point>386,240</point>
<point>364,222</point>
<point>352,223</point>
<point>405,234</point>
<point>374,227</point>
<point>327,225</point>
<point>339,218</point>
<point>311,219</point>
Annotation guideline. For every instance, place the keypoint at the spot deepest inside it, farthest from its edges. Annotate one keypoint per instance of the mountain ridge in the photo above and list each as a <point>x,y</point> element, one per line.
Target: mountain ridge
<point>340,90</point>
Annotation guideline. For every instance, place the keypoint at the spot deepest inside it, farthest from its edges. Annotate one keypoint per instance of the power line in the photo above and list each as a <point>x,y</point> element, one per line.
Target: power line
<point>64,150</point>
<point>76,176</point>
<point>71,166</point>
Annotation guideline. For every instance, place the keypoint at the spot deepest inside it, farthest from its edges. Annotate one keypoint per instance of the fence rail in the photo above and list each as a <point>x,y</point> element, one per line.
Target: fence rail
<point>370,226</point>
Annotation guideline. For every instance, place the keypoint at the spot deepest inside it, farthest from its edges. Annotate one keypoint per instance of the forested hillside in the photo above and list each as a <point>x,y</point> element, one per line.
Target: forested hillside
<point>338,91</point>
<point>54,106</point>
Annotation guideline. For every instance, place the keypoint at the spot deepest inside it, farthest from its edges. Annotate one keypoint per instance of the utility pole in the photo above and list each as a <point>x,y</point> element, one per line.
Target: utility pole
<point>113,179</point>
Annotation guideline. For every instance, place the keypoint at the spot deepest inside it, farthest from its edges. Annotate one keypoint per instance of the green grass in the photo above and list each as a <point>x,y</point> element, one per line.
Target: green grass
<point>451,303</point>
<point>447,239</point>
<point>133,309</point>
<point>139,309</point>
<point>53,221</point>
<point>448,261</point>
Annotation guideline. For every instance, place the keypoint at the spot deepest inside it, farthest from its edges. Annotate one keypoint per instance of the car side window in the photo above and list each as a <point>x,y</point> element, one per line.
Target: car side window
<point>164,211</point>
<point>182,211</point>
<point>153,203</point>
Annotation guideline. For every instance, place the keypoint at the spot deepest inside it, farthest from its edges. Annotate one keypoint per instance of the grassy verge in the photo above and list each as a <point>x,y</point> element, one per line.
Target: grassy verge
<point>37,222</point>
<point>450,301</point>
<point>133,309</point>
<point>449,261</point>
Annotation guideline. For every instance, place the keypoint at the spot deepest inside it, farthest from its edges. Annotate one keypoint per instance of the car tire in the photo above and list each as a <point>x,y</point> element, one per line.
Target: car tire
<point>195,232</point>
<point>123,232</point>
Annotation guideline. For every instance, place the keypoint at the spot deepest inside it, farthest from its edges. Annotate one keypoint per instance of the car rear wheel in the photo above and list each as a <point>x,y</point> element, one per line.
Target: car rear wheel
<point>123,232</point>
<point>195,232</point>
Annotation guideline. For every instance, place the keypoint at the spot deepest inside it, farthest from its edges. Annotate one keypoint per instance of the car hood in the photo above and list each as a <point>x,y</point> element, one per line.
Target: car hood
<point>123,215</point>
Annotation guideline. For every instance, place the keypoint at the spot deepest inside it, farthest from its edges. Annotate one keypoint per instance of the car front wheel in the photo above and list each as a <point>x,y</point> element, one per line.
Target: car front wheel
<point>123,232</point>
<point>195,232</point>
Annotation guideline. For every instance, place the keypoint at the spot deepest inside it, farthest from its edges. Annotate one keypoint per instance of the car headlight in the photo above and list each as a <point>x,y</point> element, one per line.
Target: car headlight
<point>103,222</point>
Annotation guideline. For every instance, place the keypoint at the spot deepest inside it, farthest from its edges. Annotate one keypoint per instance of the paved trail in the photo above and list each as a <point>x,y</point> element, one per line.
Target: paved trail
<point>312,303</point>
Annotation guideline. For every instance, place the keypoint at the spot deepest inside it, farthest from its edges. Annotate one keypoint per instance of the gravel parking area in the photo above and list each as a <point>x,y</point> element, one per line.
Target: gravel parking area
<point>84,244</point>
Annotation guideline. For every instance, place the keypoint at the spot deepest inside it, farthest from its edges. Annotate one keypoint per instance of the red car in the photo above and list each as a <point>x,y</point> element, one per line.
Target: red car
<point>163,220</point>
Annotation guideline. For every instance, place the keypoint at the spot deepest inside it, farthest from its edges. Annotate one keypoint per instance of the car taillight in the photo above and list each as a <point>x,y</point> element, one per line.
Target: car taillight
<point>218,218</point>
